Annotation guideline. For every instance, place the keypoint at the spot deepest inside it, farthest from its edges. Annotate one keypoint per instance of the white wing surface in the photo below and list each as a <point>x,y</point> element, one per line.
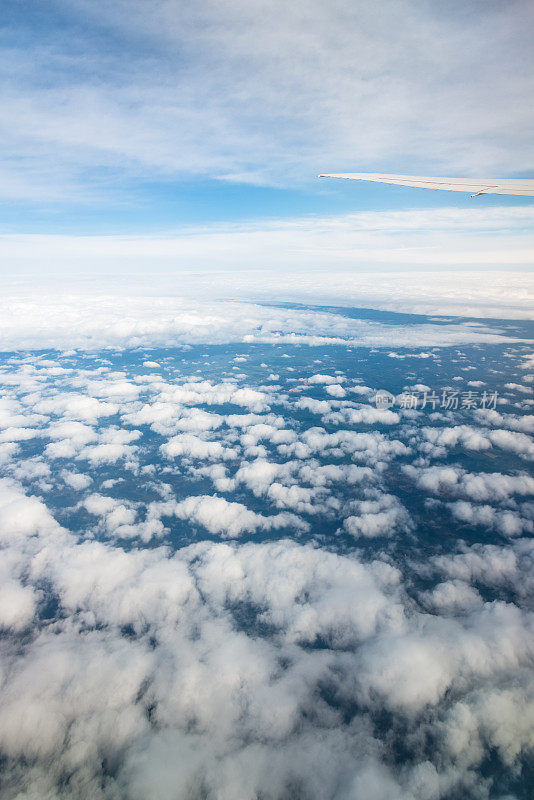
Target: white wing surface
<point>518,186</point>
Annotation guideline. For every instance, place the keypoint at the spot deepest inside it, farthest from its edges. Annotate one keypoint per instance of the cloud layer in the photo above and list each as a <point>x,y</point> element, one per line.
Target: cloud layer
<point>220,580</point>
<point>295,254</point>
<point>88,317</point>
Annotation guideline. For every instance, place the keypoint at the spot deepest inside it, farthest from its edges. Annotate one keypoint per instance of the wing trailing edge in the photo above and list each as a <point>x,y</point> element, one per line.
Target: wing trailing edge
<point>515,186</point>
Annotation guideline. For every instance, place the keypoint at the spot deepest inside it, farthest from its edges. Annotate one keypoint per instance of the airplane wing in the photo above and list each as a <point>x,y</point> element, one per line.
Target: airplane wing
<point>518,186</point>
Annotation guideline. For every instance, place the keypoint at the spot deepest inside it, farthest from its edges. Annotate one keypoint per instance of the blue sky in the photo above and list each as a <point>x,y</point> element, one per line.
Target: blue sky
<point>136,118</point>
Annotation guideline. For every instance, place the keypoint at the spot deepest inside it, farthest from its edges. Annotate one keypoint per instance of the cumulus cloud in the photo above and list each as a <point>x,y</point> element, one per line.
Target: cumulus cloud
<point>472,438</point>
<point>491,565</point>
<point>228,519</point>
<point>188,677</point>
<point>507,522</point>
<point>325,379</point>
<point>368,415</point>
<point>77,407</point>
<point>235,607</point>
<point>451,597</point>
<point>313,405</point>
<point>335,390</point>
<point>114,444</point>
<point>380,515</point>
<point>360,446</point>
<point>76,480</point>
<point>69,438</point>
<point>524,423</point>
<point>186,444</point>
<point>479,486</point>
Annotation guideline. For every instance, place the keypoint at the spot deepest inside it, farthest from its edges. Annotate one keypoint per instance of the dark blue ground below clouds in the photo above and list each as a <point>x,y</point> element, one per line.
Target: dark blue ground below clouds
<point>434,531</point>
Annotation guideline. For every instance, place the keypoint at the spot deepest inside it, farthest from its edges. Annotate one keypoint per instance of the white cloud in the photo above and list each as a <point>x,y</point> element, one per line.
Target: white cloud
<point>451,597</point>
<point>229,519</point>
<point>493,566</point>
<point>252,668</point>
<point>17,605</point>
<point>518,387</point>
<point>478,486</point>
<point>359,446</point>
<point>380,515</point>
<point>479,439</point>
<point>76,479</point>
<point>114,444</point>
<point>7,451</point>
<point>140,317</point>
<point>507,522</point>
<point>186,444</point>
<point>69,438</point>
<point>313,405</point>
<point>77,407</point>
<point>191,696</point>
<point>523,423</point>
<point>299,498</point>
<point>368,415</point>
<point>335,390</point>
<point>324,379</point>
<point>259,474</point>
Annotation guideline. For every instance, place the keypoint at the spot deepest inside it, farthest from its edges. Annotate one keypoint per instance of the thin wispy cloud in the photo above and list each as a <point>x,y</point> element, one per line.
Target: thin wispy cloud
<point>260,93</point>
<point>443,238</point>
